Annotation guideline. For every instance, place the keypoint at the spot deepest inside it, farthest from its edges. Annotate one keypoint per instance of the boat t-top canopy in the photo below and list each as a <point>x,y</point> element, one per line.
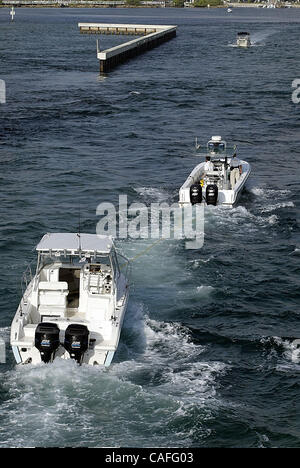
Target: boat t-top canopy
<point>74,244</point>
<point>243,33</point>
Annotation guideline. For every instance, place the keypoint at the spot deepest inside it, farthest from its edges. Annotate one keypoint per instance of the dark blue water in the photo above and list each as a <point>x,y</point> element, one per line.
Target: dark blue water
<point>206,356</point>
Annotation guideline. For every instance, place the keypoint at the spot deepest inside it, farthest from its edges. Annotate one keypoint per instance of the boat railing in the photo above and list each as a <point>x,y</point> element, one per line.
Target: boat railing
<point>26,279</point>
<point>126,265</point>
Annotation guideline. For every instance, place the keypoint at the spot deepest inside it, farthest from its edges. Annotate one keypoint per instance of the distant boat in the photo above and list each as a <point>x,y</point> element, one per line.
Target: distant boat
<point>243,39</point>
<point>229,10</point>
<point>12,13</point>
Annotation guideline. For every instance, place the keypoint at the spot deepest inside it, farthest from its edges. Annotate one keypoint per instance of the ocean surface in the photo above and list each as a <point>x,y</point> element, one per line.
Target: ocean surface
<point>207,355</point>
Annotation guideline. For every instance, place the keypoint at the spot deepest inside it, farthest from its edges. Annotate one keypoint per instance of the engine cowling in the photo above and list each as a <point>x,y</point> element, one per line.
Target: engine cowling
<point>211,194</point>
<point>196,194</point>
<point>47,340</point>
<point>76,341</point>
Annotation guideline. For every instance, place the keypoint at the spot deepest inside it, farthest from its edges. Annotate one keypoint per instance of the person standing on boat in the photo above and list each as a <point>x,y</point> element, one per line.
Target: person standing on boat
<point>235,170</point>
<point>208,166</point>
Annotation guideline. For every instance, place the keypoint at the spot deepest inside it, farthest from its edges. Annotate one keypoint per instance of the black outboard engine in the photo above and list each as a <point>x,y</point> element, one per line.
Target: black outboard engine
<point>76,341</point>
<point>211,194</point>
<point>47,340</point>
<point>195,194</point>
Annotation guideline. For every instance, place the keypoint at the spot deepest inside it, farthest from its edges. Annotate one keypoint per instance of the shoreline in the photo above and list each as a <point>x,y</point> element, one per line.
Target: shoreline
<point>126,6</point>
<point>122,4</point>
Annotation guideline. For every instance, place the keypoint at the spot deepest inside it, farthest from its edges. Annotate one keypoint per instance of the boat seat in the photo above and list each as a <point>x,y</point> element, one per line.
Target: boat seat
<point>29,335</point>
<point>53,298</point>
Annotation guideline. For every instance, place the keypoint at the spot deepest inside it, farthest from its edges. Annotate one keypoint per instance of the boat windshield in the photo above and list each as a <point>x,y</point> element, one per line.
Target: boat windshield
<point>216,147</point>
<point>217,154</point>
<point>74,260</point>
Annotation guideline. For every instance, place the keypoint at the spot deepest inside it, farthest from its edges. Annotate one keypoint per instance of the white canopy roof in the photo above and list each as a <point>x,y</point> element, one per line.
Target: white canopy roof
<point>75,242</point>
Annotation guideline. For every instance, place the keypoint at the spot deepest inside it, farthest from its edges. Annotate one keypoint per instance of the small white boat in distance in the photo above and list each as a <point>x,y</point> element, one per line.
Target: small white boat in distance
<point>12,13</point>
<point>74,305</point>
<point>217,181</point>
<point>243,39</point>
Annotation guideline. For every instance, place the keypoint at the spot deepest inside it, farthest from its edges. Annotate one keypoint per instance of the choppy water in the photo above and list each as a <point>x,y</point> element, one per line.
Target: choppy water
<point>206,355</point>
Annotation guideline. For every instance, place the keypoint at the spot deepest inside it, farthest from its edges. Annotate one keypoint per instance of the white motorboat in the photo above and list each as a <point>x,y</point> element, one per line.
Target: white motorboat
<point>243,39</point>
<point>74,304</point>
<point>12,13</point>
<point>215,185</point>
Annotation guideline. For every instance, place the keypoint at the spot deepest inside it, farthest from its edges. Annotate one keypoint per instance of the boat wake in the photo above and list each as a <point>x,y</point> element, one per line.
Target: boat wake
<point>237,217</point>
<point>153,194</point>
<point>259,38</point>
<point>4,333</point>
<point>238,47</point>
<point>285,352</point>
<point>169,363</point>
<point>159,374</point>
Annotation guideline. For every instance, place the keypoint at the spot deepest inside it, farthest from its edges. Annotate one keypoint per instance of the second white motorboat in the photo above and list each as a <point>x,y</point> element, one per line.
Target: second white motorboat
<point>213,181</point>
<point>74,305</point>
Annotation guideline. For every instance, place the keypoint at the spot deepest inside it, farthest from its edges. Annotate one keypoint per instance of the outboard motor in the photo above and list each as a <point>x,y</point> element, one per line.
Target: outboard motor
<point>195,194</point>
<point>47,340</point>
<point>76,341</point>
<point>211,194</point>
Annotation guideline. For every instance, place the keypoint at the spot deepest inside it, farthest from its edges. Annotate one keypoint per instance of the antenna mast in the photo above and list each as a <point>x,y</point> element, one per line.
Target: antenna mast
<point>79,232</point>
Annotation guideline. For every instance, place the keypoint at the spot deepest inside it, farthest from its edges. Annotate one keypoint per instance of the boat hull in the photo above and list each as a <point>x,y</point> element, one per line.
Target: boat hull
<point>244,43</point>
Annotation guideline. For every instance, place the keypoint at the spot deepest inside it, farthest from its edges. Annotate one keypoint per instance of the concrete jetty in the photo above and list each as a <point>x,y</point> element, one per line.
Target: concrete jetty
<point>151,36</point>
